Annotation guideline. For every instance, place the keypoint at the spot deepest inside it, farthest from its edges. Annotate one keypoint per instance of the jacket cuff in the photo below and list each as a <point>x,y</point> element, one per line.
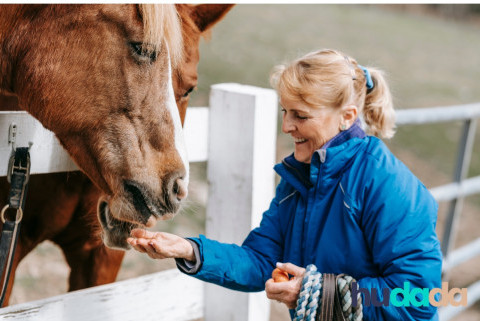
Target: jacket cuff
<point>189,267</point>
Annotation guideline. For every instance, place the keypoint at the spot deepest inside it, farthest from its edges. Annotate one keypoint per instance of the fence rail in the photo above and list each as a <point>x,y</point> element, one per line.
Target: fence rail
<point>166,296</point>
<point>454,192</point>
<point>418,116</point>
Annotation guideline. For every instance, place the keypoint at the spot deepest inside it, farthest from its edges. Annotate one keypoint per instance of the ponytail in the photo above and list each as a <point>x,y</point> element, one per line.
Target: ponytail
<point>378,110</point>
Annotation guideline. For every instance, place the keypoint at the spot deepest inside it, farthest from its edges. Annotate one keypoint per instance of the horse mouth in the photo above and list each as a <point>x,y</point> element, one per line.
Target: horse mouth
<point>143,202</point>
<point>140,210</point>
<point>115,232</point>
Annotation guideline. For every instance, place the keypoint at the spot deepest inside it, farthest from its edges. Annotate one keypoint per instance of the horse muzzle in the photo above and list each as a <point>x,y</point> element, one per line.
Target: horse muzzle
<point>137,207</point>
<point>152,208</point>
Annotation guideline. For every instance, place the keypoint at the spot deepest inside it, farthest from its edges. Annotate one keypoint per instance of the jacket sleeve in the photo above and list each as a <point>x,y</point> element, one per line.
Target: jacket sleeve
<point>399,218</point>
<point>246,267</point>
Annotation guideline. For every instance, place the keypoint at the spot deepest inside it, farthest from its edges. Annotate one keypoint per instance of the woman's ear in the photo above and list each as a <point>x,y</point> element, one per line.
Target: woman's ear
<point>349,114</point>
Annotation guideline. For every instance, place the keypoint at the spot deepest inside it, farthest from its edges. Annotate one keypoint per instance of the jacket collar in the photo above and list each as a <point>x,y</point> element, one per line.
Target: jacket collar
<point>355,131</point>
<point>333,156</point>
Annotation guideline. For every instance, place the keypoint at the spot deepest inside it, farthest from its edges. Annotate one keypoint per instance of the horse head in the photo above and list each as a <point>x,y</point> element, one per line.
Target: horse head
<point>101,77</point>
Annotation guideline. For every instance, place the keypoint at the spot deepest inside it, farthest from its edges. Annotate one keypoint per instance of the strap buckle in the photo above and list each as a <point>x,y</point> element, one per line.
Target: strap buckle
<point>12,167</point>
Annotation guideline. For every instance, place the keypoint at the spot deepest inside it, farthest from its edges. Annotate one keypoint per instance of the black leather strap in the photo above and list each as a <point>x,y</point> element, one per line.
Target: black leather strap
<point>19,178</point>
<point>8,243</point>
<point>5,241</point>
<point>19,174</point>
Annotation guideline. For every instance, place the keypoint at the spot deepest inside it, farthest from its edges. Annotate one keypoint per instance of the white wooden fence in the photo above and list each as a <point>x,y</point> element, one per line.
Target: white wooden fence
<point>237,135</point>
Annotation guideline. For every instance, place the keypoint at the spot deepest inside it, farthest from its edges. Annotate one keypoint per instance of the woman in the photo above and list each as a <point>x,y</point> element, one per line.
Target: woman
<point>344,202</point>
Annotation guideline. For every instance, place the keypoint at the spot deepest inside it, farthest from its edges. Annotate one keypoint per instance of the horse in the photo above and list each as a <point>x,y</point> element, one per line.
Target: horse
<point>62,207</point>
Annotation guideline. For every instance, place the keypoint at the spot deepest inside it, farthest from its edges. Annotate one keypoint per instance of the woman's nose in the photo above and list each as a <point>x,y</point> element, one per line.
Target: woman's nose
<point>287,125</point>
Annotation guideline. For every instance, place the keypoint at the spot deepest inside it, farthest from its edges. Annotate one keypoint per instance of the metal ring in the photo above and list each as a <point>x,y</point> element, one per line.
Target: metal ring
<point>18,216</point>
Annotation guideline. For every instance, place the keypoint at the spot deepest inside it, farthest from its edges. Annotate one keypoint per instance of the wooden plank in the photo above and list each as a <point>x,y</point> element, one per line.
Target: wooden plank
<point>48,156</point>
<point>46,153</point>
<point>166,296</point>
<point>240,172</point>
<point>196,133</point>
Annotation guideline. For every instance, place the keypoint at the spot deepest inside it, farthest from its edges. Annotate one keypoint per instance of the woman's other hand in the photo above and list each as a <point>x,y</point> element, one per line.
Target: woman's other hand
<point>160,245</point>
<point>286,292</point>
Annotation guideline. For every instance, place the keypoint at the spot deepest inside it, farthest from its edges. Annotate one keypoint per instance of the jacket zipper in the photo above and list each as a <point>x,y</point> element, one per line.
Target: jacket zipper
<point>297,174</point>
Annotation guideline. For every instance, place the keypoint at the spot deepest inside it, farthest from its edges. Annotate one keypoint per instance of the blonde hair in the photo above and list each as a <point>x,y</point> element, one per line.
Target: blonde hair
<point>161,21</point>
<point>329,78</point>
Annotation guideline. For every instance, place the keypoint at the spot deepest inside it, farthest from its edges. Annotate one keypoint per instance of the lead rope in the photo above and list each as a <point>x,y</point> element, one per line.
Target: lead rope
<point>310,298</point>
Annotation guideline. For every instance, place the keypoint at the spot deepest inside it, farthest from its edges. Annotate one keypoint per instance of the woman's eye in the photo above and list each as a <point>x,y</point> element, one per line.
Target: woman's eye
<point>143,52</point>
<point>188,92</point>
<point>302,117</point>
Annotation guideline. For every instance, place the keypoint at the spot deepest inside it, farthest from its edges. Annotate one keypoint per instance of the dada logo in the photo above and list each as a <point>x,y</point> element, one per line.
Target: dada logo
<point>416,297</point>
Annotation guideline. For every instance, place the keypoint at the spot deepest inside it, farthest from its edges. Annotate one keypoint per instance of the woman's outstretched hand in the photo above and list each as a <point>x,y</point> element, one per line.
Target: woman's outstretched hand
<point>286,292</point>
<point>160,245</point>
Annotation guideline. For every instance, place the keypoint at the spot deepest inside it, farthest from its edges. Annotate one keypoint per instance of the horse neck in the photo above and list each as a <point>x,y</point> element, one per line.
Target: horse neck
<point>14,26</point>
<point>9,25</point>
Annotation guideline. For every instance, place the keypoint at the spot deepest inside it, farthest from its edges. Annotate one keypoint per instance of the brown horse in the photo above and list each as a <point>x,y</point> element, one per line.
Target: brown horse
<point>62,207</point>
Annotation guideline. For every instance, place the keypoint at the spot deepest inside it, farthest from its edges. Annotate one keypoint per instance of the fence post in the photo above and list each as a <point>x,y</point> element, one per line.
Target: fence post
<point>241,155</point>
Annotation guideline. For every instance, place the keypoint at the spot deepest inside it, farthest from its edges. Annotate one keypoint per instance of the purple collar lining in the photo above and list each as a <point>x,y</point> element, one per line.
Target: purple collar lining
<point>355,131</point>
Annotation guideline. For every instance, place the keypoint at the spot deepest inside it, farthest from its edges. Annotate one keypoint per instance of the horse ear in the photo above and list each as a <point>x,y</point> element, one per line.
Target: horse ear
<point>206,16</point>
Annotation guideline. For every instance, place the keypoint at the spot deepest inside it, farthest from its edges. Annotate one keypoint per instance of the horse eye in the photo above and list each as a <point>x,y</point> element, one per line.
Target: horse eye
<point>143,52</point>
<point>188,92</point>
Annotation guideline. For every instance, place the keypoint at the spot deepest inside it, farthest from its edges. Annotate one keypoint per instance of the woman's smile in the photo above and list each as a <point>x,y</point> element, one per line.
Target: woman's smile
<point>309,127</point>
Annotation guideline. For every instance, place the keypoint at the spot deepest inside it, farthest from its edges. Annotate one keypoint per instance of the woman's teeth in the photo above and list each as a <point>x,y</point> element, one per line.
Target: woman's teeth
<point>299,140</point>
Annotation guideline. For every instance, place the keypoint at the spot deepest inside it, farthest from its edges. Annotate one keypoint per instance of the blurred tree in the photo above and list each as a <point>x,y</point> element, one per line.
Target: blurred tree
<point>454,10</point>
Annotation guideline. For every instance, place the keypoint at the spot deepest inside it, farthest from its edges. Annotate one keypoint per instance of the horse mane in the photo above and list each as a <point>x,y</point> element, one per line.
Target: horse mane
<point>162,21</point>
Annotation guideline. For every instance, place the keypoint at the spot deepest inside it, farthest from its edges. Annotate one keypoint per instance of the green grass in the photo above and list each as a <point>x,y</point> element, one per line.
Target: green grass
<point>429,61</point>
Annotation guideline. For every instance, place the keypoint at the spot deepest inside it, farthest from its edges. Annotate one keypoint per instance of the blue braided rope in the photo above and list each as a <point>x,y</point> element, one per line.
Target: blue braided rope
<point>300,311</point>
<point>313,301</point>
<point>310,294</point>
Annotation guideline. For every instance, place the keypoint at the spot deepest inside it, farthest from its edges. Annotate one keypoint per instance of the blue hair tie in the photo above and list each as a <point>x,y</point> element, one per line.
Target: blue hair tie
<point>368,77</point>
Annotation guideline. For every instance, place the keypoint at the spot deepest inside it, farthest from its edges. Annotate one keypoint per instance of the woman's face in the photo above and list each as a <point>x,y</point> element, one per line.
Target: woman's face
<point>309,127</point>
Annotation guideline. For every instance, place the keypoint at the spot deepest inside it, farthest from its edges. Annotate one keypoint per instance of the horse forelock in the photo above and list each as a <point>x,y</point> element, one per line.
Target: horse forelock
<point>161,21</point>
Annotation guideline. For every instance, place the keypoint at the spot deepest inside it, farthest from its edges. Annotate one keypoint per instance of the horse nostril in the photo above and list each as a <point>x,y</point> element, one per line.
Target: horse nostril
<point>180,189</point>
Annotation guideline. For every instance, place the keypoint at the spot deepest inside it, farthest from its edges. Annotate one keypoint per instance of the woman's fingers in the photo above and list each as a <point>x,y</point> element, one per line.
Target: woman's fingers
<point>291,269</point>
<point>272,288</point>
<point>284,292</point>
<point>133,242</point>
<point>161,245</point>
<point>154,253</point>
<point>155,248</point>
<point>142,233</point>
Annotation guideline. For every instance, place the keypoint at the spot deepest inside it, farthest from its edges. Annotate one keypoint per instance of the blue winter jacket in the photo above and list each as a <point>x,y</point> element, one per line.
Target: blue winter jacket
<point>356,210</point>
